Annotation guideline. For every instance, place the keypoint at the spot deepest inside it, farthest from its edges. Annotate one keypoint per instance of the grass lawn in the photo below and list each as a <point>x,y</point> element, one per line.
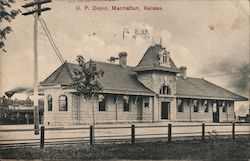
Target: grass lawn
<point>219,149</point>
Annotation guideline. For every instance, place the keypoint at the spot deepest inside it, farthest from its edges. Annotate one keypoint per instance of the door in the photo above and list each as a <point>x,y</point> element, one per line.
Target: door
<point>216,113</point>
<point>165,106</point>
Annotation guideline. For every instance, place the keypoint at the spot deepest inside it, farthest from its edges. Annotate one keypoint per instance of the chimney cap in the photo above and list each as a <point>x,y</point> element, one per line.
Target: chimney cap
<point>183,68</point>
<point>123,54</point>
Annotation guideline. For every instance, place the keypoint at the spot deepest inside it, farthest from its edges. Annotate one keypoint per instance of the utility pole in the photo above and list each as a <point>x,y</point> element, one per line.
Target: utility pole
<point>37,5</point>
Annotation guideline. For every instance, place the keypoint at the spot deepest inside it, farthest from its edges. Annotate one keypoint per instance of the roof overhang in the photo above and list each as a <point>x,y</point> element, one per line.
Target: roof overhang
<point>171,70</point>
<point>122,92</point>
<point>51,85</point>
<point>211,97</point>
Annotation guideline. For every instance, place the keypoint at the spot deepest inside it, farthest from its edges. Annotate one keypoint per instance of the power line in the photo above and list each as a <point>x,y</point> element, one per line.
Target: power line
<point>226,74</point>
<point>45,28</point>
<point>48,34</point>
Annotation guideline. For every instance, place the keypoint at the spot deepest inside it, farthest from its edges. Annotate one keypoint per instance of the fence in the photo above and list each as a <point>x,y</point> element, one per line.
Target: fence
<point>132,134</point>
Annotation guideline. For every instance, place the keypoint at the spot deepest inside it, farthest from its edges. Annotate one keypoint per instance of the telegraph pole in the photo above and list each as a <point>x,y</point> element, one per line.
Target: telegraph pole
<point>37,11</point>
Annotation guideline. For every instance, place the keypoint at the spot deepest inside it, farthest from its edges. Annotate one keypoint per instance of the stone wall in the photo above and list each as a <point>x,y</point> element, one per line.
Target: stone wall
<point>114,110</point>
<point>56,117</point>
<point>80,110</point>
<point>154,81</point>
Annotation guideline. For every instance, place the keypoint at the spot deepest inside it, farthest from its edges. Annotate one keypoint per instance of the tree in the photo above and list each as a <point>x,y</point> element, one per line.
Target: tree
<point>86,82</point>
<point>86,78</point>
<point>6,14</point>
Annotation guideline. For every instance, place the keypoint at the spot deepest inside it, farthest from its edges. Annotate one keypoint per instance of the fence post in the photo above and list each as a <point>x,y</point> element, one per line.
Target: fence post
<point>91,135</point>
<point>233,131</point>
<point>42,137</point>
<point>169,132</point>
<point>132,134</point>
<point>203,132</point>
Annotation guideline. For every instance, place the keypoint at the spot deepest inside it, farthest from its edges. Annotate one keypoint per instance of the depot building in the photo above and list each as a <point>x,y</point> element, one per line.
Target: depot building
<point>155,90</point>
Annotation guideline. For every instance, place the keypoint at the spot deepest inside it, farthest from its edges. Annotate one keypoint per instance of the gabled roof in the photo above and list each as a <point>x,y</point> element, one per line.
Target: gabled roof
<point>120,80</point>
<point>200,88</point>
<point>60,76</point>
<point>115,78</point>
<point>150,61</point>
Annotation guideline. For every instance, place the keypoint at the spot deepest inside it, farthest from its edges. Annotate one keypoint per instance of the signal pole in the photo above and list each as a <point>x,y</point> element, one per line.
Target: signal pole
<point>37,11</point>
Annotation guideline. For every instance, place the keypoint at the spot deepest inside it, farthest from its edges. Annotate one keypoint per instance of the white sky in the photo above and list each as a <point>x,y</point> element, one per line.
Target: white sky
<point>199,35</point>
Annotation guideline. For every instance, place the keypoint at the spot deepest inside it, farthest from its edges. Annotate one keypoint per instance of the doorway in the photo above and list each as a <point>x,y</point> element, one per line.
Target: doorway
<point>165,106</point>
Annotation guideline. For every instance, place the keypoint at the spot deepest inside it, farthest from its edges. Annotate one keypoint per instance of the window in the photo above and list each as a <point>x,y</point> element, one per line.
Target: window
<point>179,105</point>
<point>224,106</point>
<point>195,105</point>
<point>49,103</point>
<point>164,57</point>
<point>165,90</point>
<point>63,103</point>
<point>205,105</point>
<point>102,106</point>
<point>146,102</point>
<point>125,103</point>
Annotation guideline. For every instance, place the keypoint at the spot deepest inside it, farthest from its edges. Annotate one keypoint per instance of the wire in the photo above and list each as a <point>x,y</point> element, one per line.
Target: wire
<point>51,40</point>
<point>47,32</point>
<point>226,74</point>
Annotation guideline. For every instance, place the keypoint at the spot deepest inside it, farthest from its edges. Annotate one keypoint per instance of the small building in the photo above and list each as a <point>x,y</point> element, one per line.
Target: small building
<point>155,90</point>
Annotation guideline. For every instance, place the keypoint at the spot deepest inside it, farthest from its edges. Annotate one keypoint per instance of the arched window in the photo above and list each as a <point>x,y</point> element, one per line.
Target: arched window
<point>49,103</point>
<point>165,90</point>
<point>63,103</point>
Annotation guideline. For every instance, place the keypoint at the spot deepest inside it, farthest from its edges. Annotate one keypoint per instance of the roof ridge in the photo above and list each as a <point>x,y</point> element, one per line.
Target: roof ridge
<point>64,64</point>
<point>60,67</point>
<point>143,56</point>
<point>190,77</point>
<point>70,74</point>
<point>103,63</point>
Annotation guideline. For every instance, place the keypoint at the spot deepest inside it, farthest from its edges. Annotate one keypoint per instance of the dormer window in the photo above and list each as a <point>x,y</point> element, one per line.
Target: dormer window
<point>164,58</point>
<point>165,90</point>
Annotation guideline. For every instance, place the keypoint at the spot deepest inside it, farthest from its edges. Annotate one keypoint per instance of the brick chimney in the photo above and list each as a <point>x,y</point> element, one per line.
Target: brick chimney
<point>123,59</point>
<point>183,71</point>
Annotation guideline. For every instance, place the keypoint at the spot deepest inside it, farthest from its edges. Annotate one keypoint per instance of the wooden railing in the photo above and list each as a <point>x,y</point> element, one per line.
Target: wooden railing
<point>199,131</point>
